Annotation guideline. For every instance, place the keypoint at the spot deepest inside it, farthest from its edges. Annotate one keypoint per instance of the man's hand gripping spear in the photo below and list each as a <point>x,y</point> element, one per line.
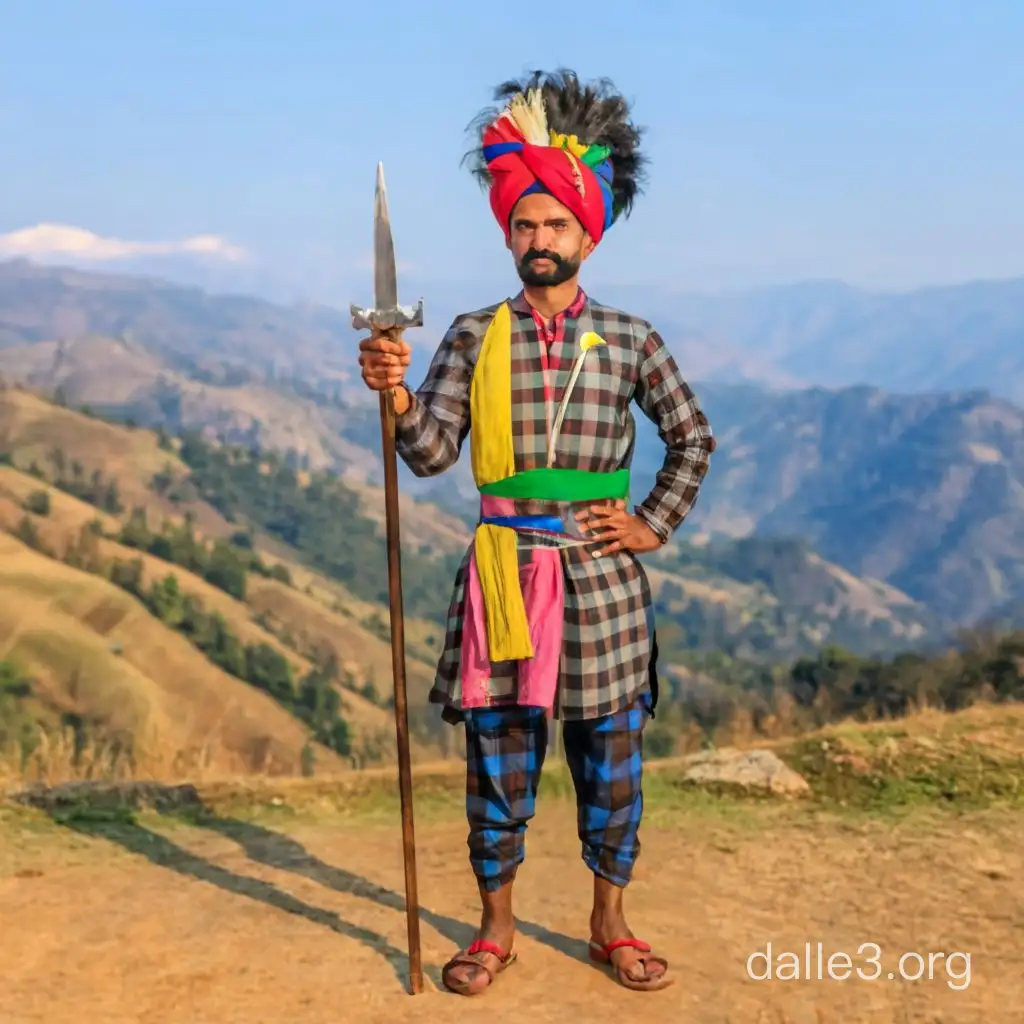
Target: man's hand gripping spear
<point>384,357</point>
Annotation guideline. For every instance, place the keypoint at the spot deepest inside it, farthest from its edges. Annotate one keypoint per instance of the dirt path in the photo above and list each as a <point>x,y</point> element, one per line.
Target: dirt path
<point>265,924</point>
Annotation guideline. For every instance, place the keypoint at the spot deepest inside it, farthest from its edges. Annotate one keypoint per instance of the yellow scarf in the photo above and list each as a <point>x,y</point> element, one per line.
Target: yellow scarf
<point>493,457</point>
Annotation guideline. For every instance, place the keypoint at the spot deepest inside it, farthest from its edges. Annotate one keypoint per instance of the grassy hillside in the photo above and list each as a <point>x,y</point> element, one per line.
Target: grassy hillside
<point>778,599</point>
<point>55,442</point>
<point>128,688</point>
<point>117,376</point>
<point>269,616</point>
<point>35,433</point>
<point>296,516</point>
<point>271,575</point>
<point>357,635</point>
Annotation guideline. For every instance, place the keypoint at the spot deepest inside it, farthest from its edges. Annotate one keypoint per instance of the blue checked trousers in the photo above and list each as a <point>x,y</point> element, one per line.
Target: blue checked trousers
<point>505,750</point>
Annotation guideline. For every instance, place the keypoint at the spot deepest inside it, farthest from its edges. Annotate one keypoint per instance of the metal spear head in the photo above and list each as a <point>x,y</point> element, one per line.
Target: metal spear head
<point>386,313</point>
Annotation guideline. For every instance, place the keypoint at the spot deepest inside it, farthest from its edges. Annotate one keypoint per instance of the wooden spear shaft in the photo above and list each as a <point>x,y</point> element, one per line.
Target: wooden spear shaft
<point>394,549</point>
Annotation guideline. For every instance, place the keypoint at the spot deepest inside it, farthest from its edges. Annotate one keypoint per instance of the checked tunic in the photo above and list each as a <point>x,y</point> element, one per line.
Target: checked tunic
<point>608,626</point>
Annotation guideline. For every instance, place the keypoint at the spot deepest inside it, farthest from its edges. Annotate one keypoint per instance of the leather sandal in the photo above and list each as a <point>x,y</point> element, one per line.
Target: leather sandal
<point>470,957</point>
<point>649,983</point>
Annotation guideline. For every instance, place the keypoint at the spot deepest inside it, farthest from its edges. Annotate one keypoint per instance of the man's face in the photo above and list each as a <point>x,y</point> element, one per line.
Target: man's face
<point>547,242</point>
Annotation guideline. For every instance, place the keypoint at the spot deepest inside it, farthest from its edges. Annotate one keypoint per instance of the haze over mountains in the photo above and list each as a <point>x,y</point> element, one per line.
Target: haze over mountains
<point>825,333</point>
<point>882,429</point>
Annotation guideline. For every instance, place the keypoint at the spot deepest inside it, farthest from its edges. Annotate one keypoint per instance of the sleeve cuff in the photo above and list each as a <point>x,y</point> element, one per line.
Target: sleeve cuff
<point>408,423</point>
<point>659,526</point>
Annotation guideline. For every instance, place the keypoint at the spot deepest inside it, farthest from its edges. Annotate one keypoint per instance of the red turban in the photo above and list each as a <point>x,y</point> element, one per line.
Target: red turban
<point>518,168</point>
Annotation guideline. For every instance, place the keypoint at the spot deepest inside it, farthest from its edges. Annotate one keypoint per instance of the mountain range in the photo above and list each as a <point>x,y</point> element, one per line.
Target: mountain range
<point>950,338</point>
<point>914,479</point>
<point>813,333</point>
<point>187,603</point>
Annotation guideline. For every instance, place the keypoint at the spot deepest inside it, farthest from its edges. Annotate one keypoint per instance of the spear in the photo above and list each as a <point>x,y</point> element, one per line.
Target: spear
<point>389,319</point>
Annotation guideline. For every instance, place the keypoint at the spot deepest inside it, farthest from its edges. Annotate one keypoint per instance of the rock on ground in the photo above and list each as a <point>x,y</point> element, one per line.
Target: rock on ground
<point>746,770</point>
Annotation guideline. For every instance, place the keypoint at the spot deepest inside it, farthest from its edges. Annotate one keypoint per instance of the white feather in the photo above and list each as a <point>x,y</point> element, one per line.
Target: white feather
<point>528,114</point>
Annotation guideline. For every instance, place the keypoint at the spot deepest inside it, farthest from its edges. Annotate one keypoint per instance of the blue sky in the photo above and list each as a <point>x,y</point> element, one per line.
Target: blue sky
<point>877,142</point>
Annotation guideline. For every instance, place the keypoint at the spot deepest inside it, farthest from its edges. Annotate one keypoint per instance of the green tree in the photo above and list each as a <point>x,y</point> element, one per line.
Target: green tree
<point>136,533</point>
<point>127,575</point>
<point>111,500</point>
<point>270,670</point>
<point>166,601</point>
<point>226,569</point>
<point>38,503</point>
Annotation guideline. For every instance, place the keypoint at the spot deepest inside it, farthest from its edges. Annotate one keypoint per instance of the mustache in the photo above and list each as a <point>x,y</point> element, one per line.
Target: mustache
<point>542,254</point>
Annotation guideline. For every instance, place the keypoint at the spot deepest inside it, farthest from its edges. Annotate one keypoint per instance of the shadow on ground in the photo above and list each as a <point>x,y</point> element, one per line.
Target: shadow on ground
<point>115,822</point>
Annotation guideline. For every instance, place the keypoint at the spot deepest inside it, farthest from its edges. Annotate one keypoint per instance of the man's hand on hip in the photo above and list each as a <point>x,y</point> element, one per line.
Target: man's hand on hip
<point>617,529</point>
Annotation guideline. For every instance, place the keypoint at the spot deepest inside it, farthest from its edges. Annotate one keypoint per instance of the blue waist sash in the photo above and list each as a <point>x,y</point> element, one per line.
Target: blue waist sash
<point>550,524</point>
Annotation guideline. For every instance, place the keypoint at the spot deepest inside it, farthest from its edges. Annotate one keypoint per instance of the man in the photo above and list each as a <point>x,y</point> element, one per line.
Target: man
<point>551,613</point>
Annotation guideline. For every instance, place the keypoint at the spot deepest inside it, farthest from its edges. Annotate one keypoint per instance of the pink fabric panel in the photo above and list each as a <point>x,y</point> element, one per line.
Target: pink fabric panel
<point>491,506</point>
<point>543,594</point>
<point>475,667</point>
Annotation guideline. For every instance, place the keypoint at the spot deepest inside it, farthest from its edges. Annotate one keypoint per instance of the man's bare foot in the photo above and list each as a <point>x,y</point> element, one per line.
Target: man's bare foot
<point>473,971</point>
<point>636,967</point>
<point>632,963</point>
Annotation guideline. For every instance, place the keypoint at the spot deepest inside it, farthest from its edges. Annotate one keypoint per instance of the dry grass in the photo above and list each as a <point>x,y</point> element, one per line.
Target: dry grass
<point>367,721</point>
<point>996,726</point>
<point>59,759</point>
<point>65,628</point>
<point>68,514</point>
<point>33,427</point>
<point>843,779</point>
<point>317,627</point>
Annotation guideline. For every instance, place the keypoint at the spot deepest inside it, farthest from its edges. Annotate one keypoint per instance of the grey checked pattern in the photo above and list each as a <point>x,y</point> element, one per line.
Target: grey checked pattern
<point>608,615</point>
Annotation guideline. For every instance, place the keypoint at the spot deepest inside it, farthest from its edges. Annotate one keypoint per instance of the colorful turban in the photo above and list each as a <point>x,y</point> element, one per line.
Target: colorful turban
<point>523,157</point>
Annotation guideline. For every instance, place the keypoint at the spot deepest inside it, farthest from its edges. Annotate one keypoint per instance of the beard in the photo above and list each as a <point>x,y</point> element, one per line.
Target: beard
<point>564,269</point>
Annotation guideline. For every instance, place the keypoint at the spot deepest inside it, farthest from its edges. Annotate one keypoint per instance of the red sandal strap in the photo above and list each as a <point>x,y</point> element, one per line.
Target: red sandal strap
<point>629,943</point>
<point>485,946</point>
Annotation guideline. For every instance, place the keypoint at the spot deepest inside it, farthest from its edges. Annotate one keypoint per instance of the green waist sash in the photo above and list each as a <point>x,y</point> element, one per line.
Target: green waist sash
<point>554,484</point>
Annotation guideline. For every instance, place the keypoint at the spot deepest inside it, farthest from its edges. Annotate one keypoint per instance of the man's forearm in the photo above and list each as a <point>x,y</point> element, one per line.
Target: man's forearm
<point>677,486</point>
<point>432,421</point>
<point>429,428</point>
<point>669,402</point>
